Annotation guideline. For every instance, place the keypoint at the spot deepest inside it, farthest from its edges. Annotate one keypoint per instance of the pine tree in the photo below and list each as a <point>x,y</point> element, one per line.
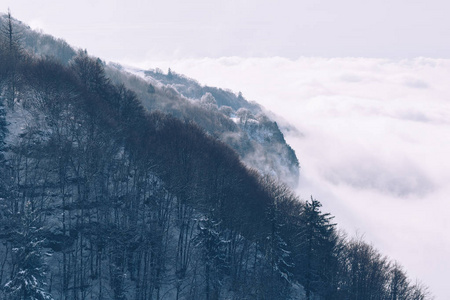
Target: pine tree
<point>318,232</point>
<point>29,268</point>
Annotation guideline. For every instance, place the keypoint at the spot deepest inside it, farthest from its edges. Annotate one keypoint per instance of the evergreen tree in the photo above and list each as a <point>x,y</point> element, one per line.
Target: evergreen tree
<point>29,268</point>
<point>317,250</point>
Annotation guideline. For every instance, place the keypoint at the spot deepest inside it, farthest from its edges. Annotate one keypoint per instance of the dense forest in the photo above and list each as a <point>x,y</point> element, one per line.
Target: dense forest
<point>101,198</point>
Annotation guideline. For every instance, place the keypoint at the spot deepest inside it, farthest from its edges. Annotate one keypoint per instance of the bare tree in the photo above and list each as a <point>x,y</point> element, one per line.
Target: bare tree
<point>12,58</point>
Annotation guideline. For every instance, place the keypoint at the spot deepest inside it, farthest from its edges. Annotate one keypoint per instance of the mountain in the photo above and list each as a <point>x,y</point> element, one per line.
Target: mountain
<point>110,190</point>
<point>223,114</point>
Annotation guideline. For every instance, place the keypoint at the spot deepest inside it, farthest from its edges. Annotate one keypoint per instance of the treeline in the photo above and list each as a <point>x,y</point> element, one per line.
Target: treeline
<point>100,199</point>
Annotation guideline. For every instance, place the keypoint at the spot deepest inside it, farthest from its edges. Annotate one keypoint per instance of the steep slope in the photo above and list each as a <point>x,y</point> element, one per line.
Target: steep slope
<point>101,199</point>
<point>232,119</point>
<point>108,189</point>
<point>229,117</point>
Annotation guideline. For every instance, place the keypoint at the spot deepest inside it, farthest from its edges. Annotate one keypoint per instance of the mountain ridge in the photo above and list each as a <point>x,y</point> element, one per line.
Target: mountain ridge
<point>101,198</point>
<point>180,96</point>
<point>223,114</point>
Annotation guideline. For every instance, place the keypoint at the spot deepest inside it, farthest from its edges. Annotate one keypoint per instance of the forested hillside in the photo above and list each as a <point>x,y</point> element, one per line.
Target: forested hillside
<point>101,198</point>
<point>224,115</point>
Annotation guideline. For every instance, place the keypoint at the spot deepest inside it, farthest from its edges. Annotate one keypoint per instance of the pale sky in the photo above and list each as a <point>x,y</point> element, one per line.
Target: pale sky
<point>374,118</point>
<point>118,30</point>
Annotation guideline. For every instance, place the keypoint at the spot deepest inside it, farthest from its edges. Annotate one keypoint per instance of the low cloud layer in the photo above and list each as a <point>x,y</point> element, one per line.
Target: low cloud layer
<point>398,179</point>
<point>374,144</point>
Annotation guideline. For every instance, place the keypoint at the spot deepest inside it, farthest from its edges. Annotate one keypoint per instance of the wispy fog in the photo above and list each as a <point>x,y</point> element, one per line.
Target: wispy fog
<point>373,144</point>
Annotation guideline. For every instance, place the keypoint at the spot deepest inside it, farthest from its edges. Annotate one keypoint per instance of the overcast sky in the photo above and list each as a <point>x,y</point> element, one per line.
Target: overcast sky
<point>374,119</point>
<point>140,30</point>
